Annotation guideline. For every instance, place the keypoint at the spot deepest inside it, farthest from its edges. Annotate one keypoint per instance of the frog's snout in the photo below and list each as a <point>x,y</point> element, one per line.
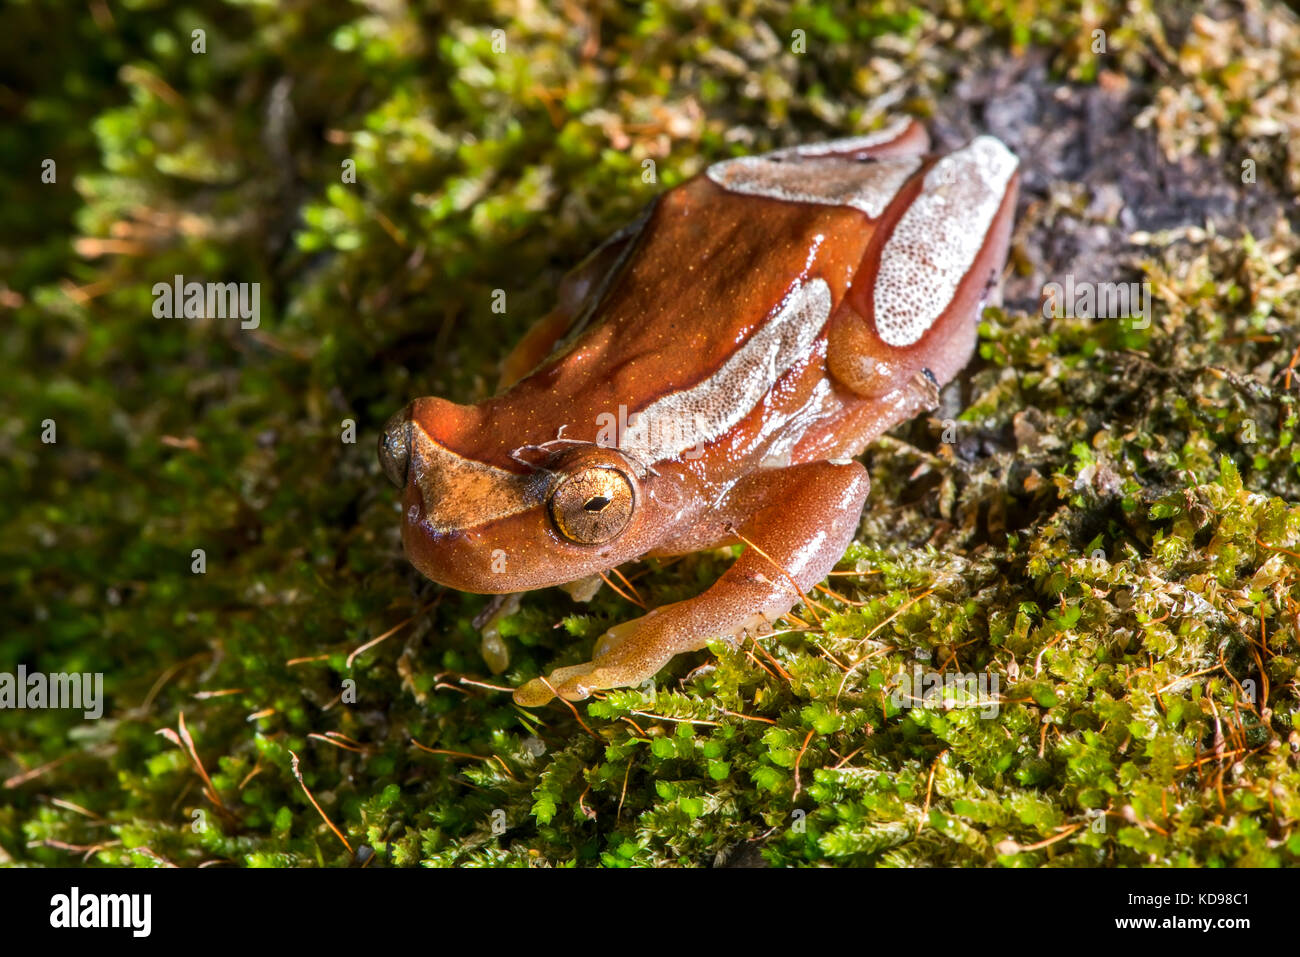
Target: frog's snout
<point>395,447</point>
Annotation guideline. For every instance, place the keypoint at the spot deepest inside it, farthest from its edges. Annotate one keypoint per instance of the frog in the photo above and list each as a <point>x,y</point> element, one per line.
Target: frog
<point>708,377</point>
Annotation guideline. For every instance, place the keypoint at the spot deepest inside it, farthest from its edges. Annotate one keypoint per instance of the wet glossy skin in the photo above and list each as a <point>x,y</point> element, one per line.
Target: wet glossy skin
<point>706,378</point>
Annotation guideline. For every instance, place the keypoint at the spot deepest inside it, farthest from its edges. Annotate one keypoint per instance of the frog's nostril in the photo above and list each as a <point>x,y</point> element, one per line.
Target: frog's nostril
<point>395,447</point>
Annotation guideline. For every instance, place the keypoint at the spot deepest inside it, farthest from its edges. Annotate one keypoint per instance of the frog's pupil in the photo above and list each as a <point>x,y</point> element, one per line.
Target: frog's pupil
<point>595,503</point>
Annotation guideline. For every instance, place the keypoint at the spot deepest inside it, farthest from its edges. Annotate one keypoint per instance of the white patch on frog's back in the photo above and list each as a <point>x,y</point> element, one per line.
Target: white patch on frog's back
<point>694,417</point>
<point>937,238</point>
<point>828,180</point>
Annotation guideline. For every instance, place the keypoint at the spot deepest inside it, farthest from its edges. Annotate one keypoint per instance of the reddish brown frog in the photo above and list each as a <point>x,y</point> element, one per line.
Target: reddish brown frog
<point>706,378</point>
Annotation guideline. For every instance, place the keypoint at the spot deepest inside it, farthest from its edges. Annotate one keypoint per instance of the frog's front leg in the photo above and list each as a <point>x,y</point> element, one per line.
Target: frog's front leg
<point>798,522</point>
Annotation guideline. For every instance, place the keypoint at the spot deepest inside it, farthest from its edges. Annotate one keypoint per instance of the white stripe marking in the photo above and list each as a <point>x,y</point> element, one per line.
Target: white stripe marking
<point>938,237</point>
<point>696,416</point>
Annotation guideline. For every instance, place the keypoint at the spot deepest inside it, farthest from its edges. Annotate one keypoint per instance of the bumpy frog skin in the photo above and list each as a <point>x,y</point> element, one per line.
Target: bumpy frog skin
<point>707,377</point>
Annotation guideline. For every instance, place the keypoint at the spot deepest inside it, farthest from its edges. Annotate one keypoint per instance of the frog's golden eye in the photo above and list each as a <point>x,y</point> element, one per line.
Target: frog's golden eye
<point>593,505</point>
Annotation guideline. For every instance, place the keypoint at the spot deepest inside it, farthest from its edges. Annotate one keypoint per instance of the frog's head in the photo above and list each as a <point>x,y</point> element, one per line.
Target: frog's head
<point>480,521</point>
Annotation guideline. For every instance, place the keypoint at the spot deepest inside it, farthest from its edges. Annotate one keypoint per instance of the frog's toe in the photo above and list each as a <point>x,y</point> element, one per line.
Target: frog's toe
<point>566,682</point>
<point>577,682</point>
<point>533,694</point>
<point>624,656</point>
<point>580,681</point>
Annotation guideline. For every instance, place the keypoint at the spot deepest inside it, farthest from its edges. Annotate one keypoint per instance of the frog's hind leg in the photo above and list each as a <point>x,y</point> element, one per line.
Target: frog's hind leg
<point>798,521</point>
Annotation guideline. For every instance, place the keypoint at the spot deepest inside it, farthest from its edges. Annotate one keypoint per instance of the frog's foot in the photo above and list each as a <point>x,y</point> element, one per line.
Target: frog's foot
<point>626,655</point>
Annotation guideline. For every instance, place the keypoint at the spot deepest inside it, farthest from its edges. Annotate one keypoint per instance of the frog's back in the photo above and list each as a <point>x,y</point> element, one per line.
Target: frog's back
<point>724,291</point>
<point>753,240</point>
<point>700,285</point>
